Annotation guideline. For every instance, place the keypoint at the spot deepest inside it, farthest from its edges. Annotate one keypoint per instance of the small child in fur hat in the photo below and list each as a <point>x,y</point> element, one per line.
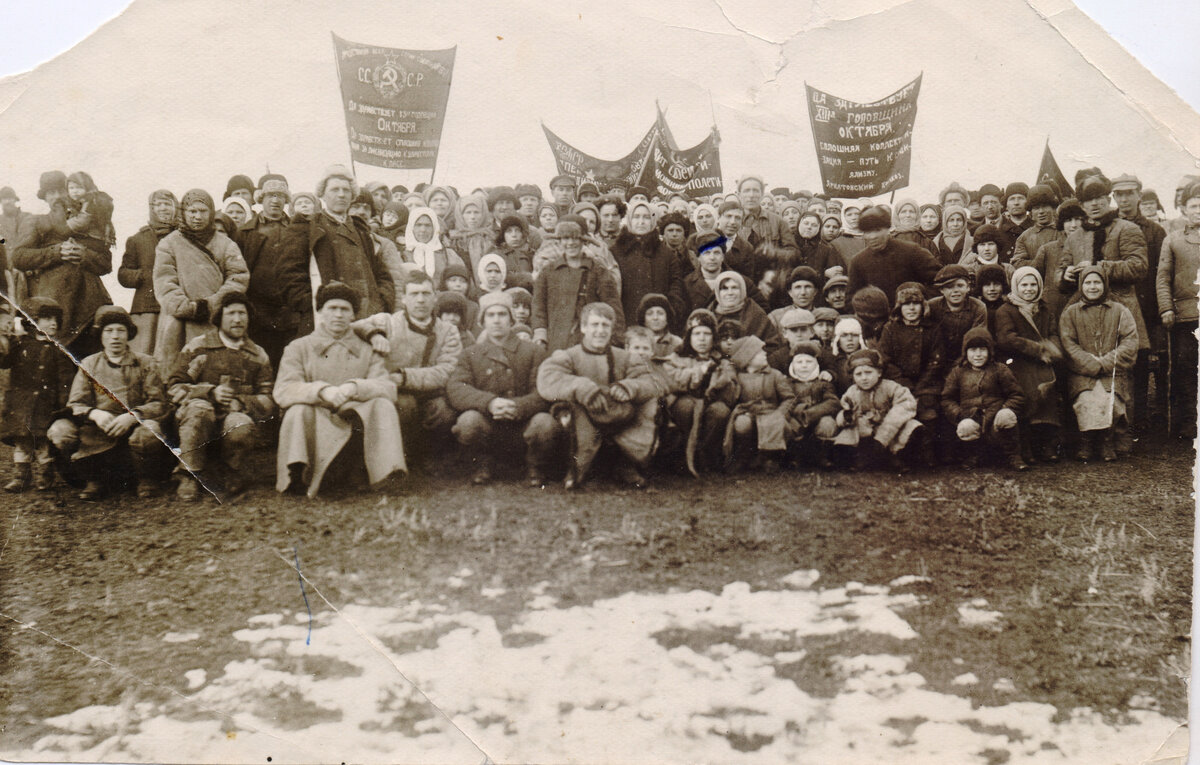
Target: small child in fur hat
<point>815,406</point>
<point>909,353</point>
<point>982,399</point>
<point>759,421</point>
<point>453,307</point>
<point>870,306</point>
<point>456,279</point>
<point>878,419</point>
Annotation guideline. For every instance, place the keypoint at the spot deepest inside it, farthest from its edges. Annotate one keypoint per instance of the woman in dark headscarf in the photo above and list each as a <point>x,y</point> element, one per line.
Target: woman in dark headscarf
<point>931,220</point>
<point>730,302</point>
<point>906,224</point>
<point>955,239</point>
<point>194,267</point>
<point>392,222</point>
<point>137,268</point>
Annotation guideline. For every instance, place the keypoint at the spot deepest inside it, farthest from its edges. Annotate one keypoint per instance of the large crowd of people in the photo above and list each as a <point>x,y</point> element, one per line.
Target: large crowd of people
<point>363,332</point>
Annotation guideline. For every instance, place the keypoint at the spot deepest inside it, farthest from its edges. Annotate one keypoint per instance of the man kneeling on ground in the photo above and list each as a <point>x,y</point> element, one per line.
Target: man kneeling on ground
<point>494,389</point>
<point>116,402</point>
<point>222,386</point>
<point>332,387</point>
<point>603,394</point>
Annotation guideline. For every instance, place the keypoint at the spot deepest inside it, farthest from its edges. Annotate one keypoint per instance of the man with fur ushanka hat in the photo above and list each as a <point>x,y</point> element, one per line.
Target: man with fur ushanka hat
<point>333,388</point>
<point>240,186</point>
<point>886,262</point>
<point>116,402</point>
<point>603,394</point>
<point>341,247</point>
<point>493,390</point>
<point>1042,203</point>
<point>222,385</point>
<point>260,239</point>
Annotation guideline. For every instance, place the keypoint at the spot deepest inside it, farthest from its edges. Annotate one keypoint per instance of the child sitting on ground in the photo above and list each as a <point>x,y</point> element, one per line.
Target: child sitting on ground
<point>981,400</point>
<point>759,422</point>
<point>654,313</point>
<point>39,386</point>
<point>878,418</point>
<point>816,405</point>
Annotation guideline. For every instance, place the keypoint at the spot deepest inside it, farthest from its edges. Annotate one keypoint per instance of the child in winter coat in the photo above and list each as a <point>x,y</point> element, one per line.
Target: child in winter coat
<point>702,383</point>
<point>991,283</point>
<point>513,244</point>
<point>1027,333</point>
<point>759,421</point>
<point>816,404</point>
<point>907,345</point>
<point>491,273</point>
<point>640,343</point>
<point>455,278</point>
<point>1100,340</point>
<point>39,386</point>
<point>847,338</point>
<point>988,241</point>
<point>982,399</point>
<point>454,308</point>
<point>654,313</point>
<point>870,306</point>
<point>878,418</point>
<point>85,215</point>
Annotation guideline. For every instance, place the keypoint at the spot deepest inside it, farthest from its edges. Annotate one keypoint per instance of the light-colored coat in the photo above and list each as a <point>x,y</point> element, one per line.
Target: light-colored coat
<point>311,433</point>
<point>185,275</point>
<point>887,413</point>
<point>426,360</point>
<point>1124,265</point>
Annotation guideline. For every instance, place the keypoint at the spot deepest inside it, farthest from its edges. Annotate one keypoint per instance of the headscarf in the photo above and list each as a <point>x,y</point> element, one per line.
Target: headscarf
<point>741,283</point>
<point>937,209</point>
<point>696,223</point>
<point>203,235</point>
<point>1093,269</point>
<point>826,219</point>
<point>629,215</point>
<point>907,202</point>
<point>429,192</point>
<point>236,201</point>
<point>954,210</point>
<point>1028,308</point>
<point>394,230</point>
<point>423,253</point>
<point>161,228</point>
<point>485,218</point>
<point>481,271</point>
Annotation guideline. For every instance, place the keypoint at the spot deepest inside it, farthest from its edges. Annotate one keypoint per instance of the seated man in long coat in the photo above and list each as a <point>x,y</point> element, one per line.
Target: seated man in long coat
<point>116,402</point>
<point>605,395</point>
<point>222,386</point>
<point>331,387</point>
<point>494,389</point>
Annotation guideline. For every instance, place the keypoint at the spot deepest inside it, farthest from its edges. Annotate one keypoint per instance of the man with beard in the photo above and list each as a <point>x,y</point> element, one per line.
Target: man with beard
<point>886,262</point>
<point>260,239</point>
<point>222,386</point>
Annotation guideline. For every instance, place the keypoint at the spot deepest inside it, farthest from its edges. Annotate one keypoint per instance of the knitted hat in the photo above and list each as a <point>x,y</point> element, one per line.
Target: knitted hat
<point>1041,196</point>
<point>238,183</point>
<point>1093,187</point>
<point>452,302</point>
<point>989,233</point>
<point>1126,182</point>
<point>990,190</point>
<point>865,356</point>
<point>455,269</point>
<point>951,273</point>
<point>874,219</point>
<point>337,291</point>
<point>804,274</point>
<point>53,180</point>
<point>1016,187</point>
<point>745,349</point>
<point>228,299</point>
<point>977,337</point>
<point>112,314</point>
<point>824,313</point>
<point>796,317</point>
<point>1067,210</point>
<point>870,302</point>
<point>528,190</point>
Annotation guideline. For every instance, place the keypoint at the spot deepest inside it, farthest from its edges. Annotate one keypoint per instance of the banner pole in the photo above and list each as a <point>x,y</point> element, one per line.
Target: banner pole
<point>342,89</point>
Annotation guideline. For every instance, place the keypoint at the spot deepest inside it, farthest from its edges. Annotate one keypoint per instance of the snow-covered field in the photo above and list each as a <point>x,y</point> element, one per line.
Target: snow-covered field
<point>598,683</point>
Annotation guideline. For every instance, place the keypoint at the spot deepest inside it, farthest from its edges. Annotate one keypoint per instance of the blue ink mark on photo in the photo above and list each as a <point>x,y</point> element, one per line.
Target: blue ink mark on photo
<point>303,594</point>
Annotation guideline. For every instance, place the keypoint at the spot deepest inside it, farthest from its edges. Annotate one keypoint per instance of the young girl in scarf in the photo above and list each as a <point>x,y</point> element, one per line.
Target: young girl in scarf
<point>194,267</point>
<point>815,406</point>
<point>1100,340</point>
<point>759,421</point>
<point>491,273</point>
<point>1027,333</point>
<point>955,240</point>
<point>473,234</point>
<point>730,302</point>
<point>137,268</point>
<point>423,244</point>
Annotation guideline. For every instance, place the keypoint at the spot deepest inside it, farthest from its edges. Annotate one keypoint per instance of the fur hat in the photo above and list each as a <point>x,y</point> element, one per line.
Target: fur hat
<point>653,300</point>
<point>870,302</point>
<point>336,171</point>
<point>113,314</point>
<point>238,183</point>
<point>39,307</point>
<point>456,269</point>
<point>1093,187</point>
<point>678,218</point>
<point>992,273</point>
<point>453,302</point>
<point>228,299</point>
<point>1085,173</point>
<point>1067,210</point>
<point>951,273</point>
<point>1041,196</point>
<point>729,328</point>
<point>499,194</point>
<point>990,190</point>
<point>566,229</point>
<point>989,233</point>
<point>709,240</point>
<point>52,180</point>
<point>824,313</point>
<point>745,349</point>
<point>804,274</point>
<point>808,348</point>
<point>338,291</point>
<point>1016,187</point>
<point>520,295</point>
<point>977,337</point>
<point>272,183</point>
<point>528,190</point>
<point>874,218</point>
<point>953,188</point>
<point>865,356</point>
<point>700,317</point>
<point>909,292</point>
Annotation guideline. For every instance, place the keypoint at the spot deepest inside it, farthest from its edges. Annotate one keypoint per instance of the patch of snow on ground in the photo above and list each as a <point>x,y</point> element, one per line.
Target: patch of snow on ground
<point>639,678</point>
<point>976,614</point>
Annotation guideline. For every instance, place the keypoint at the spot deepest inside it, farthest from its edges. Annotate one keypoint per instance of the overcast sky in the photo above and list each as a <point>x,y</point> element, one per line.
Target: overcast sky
<point>1161,33</point>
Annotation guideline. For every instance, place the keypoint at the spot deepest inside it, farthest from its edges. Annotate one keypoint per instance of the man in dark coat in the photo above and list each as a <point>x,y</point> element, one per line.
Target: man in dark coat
<point>61,268</point>
<point>12,218</point>
<point>494,390</point>
<point>1127,193</point>
<point>886,262</point>
<point>565,286</point>
<point>273,323</point>
<point>343,249</point>
<point>1016,219</point>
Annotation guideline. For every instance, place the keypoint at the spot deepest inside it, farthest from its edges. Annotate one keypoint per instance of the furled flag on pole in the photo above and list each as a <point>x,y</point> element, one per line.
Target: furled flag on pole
<point>863,149</point>
<point>1049,170</point>
<point>395,102</point>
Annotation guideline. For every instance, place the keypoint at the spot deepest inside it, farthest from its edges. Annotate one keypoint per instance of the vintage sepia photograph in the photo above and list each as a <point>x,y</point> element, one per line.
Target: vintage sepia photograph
<point>625,382</point>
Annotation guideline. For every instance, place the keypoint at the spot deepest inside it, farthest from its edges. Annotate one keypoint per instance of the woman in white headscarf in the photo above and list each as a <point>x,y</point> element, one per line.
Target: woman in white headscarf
<point>423,246</point>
